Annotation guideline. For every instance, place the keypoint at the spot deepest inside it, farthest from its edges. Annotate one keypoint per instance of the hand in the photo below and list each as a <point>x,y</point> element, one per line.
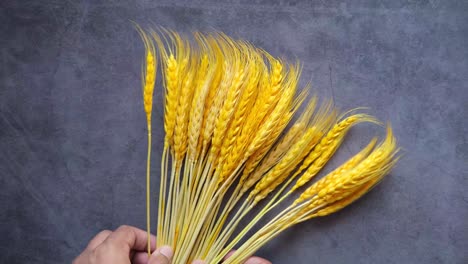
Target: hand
<point>251,260</point>
<point>125,245</point>
<point>128,245</point>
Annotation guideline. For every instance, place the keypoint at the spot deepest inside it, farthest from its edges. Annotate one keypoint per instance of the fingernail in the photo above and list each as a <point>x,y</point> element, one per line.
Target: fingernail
<point>166,251</point>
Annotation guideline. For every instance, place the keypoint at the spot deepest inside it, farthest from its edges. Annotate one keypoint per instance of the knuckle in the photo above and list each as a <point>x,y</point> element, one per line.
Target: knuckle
<point>124,228</point>
<point>98,239</point>
<point>100,251</point>
<point>104,233</point>
<point>128,231</point>
<point>159,259</point>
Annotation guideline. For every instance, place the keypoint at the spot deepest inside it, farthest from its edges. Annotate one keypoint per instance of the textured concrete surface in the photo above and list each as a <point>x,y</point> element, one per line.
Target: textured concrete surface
<point>72,130</point>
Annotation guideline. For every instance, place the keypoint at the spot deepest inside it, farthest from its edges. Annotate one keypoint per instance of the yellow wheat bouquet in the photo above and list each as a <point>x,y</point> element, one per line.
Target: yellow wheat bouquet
<point>234,137</point>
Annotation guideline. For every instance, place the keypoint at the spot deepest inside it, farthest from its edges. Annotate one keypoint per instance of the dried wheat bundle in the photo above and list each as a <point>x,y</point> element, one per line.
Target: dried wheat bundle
<point>234,137</point>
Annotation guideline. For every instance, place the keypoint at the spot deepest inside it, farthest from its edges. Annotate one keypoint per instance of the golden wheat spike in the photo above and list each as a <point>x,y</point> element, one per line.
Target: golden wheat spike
<point>338,194</point>
<point>280,149</point>
<point>204,77</point>
<point>250,122</point>
<point>215,73</point>
<point>347,166</point>
<point>219,91</point>
<point>149,72</point>
<point>231,151</point>
<point>202,80</point>
<point>252,173</point>
<point>281,170</point>
<point>350,197</point>
<point>234,80</point>
<point>269,94</point>
<point>288,140</point>
<point>187,63</point>
<point>320,155</point>
<point>264,125</point>
<point>378,162</point>
<point>170,67</point>
<point>283,106</point>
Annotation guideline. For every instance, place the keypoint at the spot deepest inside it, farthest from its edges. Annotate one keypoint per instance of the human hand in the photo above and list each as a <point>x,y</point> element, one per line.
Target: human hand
<point>128,245</point>
<point>125,245</point>
<point>251,260</point>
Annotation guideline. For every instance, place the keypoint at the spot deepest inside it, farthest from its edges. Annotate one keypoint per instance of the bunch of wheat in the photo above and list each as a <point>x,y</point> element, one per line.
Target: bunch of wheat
<point>229,109</point>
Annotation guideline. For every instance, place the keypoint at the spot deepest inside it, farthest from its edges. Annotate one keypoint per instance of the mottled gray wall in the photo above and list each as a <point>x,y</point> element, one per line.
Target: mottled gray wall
<point>72,128</point>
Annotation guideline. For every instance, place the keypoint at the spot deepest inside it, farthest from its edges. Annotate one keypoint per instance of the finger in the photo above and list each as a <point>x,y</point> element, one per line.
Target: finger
<point>98,239</point>
<point>251,260</point>
<point>162,255</point>
<point>140,258</point>
<point>229,254</point>
<point>153,247</point>
<point>198,261</point>
<point>130,238</point>
<point>256,260</point>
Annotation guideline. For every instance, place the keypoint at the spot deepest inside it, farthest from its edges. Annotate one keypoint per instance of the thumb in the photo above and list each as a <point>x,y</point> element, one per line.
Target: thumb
<point>162,255</point>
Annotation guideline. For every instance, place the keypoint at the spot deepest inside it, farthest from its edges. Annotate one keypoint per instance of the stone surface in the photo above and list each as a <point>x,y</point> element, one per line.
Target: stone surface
<point>72,128</point>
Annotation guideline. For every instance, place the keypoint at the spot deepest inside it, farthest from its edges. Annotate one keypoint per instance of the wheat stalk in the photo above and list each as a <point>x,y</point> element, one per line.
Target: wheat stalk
<point>149,77</point>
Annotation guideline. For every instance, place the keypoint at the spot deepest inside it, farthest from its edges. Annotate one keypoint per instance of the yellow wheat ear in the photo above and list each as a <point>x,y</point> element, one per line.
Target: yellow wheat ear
<point>343,186</point>
<point>149,69</point>
<point>149,80</point>
<point>327,146</point>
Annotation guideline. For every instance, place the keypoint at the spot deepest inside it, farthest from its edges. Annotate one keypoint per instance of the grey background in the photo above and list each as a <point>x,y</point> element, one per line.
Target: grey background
<point>72,128</point>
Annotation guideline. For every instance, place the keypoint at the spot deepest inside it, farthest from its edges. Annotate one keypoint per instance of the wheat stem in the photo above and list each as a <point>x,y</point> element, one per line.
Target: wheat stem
<point>148,198</point>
